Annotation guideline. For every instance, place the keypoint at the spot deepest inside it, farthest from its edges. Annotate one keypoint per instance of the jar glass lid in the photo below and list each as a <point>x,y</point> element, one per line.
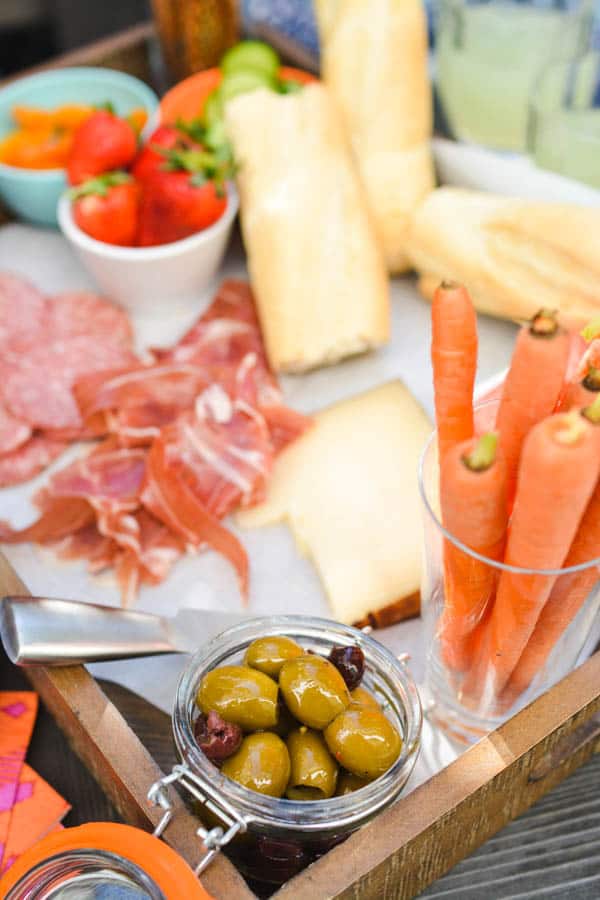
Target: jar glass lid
<point>101,861</point>
<point>86,875</point>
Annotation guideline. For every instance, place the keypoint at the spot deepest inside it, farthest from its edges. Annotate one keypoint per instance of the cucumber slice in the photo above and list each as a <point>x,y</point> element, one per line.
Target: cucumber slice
<point>244,81</point>
<point>213,108</point>
<point>290,87</point>
<point>254,55</point>
<point>215,136</point>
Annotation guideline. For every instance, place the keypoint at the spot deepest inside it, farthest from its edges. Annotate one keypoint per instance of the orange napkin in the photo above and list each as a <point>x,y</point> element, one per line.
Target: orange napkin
<point>36,812</point>
<point>17,717</point>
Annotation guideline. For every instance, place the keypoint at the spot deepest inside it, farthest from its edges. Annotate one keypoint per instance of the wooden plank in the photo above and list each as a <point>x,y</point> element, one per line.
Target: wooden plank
<point>412,844</point>
<point>126,51</point>
<point>551,851</point>
<point>102,739</point>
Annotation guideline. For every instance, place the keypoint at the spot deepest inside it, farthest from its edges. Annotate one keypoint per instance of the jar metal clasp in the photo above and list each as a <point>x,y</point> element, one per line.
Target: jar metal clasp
<point>214,839</point>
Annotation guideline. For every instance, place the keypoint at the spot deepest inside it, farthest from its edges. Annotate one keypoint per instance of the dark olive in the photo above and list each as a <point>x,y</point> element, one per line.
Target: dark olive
<point>285,720</point>
<point>364,741</point>
<point>261,764</point>
<point>268,654</point>
<point>241,695</point>
<point>350,663</point>
<point>217,738</point>
<point>363,697</point>
<point>314,771</point>
<point>313,689</point>
<point>348,783</point>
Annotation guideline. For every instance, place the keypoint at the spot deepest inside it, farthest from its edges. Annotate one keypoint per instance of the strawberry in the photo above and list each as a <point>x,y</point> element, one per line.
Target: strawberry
<point>152,156</point>
<point>107,208</point>
<point>104,142</point>
<point>184,198</point>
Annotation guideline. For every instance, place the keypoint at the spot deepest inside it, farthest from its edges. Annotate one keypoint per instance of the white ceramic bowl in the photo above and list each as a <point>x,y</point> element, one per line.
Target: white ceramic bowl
<point>153,280</point>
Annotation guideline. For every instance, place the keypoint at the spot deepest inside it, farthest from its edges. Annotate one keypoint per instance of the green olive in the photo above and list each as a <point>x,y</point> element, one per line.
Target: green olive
<point>261,764</point>
<point>314,771</point>
<point>364,698</point>
<point>313,689</point>
<point>364,741</point>
<point>268,654</point>
<point>348,783</point>
<point>241,695</point>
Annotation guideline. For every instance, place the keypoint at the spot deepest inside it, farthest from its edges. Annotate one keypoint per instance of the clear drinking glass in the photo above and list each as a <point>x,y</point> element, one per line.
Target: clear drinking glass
<point>461,698</point>
<point>564,118</point>
<point>488,55</point>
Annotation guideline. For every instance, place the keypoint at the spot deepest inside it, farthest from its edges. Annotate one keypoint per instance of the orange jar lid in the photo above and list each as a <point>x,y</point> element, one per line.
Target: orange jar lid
<point>171,874</point>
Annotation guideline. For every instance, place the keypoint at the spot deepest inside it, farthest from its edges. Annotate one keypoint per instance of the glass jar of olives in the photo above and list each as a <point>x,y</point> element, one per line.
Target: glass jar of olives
<point>275,817</point>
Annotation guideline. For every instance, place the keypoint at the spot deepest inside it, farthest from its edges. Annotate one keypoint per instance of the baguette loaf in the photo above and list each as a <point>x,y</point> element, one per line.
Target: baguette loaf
<point>316,267</point>
<point>348,491</point>
<point>515,256</point>
<point>374,60</point>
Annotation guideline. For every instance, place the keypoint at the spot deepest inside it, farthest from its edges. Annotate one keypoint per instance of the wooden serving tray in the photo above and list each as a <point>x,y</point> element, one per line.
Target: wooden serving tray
<point>406,847</point>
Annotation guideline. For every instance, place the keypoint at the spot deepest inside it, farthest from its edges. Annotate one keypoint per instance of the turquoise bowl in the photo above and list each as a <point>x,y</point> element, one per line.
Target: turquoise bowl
<point>33,195</point>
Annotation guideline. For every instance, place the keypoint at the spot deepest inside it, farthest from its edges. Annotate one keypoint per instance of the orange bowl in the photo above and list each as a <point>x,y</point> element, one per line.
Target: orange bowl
<point>186,100</point>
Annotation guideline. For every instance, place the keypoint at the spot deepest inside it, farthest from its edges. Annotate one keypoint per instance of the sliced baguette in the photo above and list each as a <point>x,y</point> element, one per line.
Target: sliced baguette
<point>316,267</point>
<point>515,256</point>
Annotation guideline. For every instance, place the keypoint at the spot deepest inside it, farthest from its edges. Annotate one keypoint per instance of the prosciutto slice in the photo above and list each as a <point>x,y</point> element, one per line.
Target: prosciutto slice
<point>187,437</point>
<point>167,496</point>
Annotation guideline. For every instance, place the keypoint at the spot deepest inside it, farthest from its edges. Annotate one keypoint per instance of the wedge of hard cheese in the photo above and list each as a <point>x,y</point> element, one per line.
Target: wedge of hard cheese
<point>348,491</point>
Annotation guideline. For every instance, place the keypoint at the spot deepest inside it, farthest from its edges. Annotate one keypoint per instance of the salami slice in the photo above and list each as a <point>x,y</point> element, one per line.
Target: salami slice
<point>13,432</point>
<point>76,313</point>
<point>28,460</point>
<point>22,312</point>
<point>37,387</point>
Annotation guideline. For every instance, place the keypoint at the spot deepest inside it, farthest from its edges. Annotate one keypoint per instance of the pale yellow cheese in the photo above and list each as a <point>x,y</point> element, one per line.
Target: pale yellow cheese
<point>348,491</point>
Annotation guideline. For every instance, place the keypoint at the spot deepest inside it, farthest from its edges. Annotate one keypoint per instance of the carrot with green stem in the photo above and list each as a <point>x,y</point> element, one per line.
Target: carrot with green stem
<point>559,469</point>
<point>454,361</point>
<point>474,511</point>
<point>583,369</point>
<point>532,386</point>
<point>568,594</point>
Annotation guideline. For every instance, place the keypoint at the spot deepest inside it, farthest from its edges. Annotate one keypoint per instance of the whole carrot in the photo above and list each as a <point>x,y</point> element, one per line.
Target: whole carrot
<point>558,472</point>
<point>474,511</point>
<point>532,387</point>
<point>568,594</point>
<point>454,361</point>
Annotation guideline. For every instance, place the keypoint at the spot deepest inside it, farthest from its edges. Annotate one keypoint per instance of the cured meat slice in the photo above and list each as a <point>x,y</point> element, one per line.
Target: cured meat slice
<point>13,432</point>
<point>29,460</point>
<point>223,451</point>
<point>227,341</point>
<point>22,311</point>
<point>87,543</point>
<point>37,387</point>
<point>143,399</point>
<point>110,480</point>
<point>60,517</point>
<point>77,313</point>
<point>168,497</point>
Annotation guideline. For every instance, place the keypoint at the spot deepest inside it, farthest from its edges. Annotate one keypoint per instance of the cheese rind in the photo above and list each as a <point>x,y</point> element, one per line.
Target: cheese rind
<point>348,490</point>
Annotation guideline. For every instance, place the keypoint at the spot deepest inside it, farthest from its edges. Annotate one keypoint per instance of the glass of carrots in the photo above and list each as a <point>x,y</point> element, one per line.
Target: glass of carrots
<point>511,502</point>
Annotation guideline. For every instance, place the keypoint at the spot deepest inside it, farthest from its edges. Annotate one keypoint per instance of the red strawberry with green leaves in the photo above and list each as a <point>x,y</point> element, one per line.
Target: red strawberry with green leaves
<point>185,197</point>
<point>107,208</point>
<point>104,142</point>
